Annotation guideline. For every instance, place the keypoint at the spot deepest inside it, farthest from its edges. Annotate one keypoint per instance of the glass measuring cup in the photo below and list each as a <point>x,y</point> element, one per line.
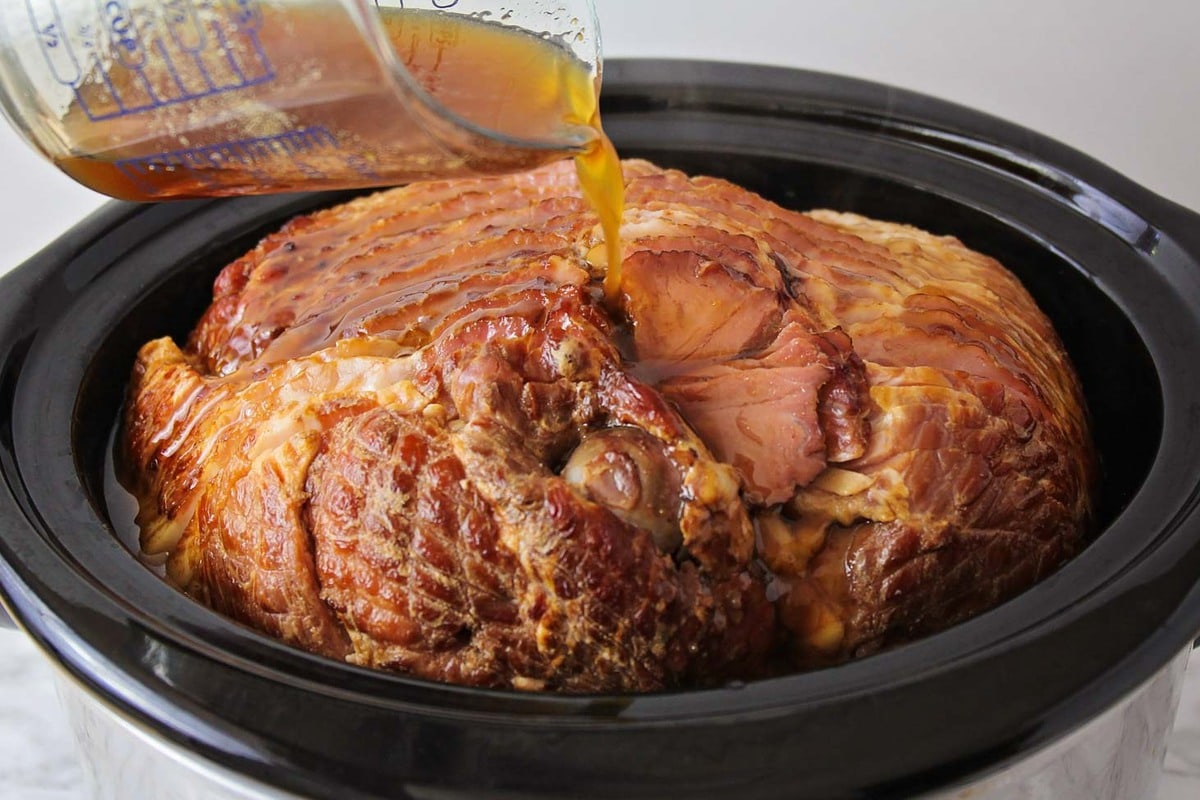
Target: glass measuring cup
<point>149,99</point>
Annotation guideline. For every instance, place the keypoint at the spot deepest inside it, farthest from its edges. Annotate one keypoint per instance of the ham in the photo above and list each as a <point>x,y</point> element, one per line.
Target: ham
<point>411,433</point>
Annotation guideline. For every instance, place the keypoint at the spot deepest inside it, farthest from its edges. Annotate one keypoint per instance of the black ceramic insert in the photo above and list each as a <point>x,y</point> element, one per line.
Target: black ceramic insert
<point>1115,267</point>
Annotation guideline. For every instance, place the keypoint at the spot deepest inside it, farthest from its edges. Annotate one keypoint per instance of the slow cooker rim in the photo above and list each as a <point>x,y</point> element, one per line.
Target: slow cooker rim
<point>118,215</point>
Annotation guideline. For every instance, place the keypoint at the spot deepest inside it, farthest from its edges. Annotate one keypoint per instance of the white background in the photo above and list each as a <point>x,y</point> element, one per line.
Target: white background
<point>1118,80</point>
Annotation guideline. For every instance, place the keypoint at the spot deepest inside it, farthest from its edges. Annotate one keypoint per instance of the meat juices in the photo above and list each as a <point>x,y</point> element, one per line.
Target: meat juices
<point>410,433</point>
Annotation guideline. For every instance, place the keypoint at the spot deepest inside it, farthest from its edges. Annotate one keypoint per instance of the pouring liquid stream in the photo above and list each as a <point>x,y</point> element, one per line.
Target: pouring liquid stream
<point>285,136</point>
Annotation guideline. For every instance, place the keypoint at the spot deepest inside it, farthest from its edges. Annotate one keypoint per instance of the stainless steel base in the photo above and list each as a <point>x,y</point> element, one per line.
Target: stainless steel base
<point>1117,756</point>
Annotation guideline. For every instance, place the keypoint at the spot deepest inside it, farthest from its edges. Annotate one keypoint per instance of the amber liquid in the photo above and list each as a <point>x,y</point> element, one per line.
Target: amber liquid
<point>327,114</point>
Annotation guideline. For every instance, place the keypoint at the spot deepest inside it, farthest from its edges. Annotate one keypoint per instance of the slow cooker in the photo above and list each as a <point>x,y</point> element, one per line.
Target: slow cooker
<point>1065,691</point>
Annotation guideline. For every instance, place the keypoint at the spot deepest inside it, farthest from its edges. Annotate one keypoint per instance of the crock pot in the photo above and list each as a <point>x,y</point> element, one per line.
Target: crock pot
<point>1065,691</point>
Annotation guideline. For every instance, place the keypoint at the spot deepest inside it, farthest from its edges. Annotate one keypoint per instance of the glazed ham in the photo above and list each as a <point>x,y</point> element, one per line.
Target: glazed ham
<point>410,433</point>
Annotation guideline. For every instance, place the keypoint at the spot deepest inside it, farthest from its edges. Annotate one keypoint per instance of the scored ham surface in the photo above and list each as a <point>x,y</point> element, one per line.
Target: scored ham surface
<point>410,433</point>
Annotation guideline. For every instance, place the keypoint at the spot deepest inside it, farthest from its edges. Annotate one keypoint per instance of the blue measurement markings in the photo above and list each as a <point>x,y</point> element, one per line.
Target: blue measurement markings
<point>120,63</point>
<point>206,162</point>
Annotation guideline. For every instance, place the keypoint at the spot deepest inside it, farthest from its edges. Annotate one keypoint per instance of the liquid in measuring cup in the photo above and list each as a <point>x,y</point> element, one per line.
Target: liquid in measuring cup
<point>184,98</point>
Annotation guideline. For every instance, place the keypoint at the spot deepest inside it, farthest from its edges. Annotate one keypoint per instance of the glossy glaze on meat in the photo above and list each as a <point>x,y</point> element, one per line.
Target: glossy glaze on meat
<point>410,433</point>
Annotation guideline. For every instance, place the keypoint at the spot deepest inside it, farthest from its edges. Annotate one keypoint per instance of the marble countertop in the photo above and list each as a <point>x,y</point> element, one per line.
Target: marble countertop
<point>1118,81</point>
<point>38,761</point>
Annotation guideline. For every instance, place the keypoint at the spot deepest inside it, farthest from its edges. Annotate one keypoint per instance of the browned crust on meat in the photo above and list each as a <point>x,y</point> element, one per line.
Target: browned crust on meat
<point>359,450</point>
